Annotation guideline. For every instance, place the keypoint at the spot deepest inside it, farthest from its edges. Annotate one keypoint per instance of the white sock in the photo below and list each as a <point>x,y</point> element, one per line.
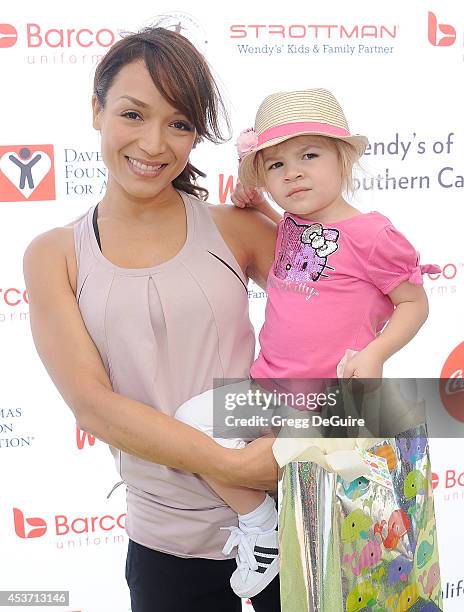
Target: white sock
<point>264,516</point>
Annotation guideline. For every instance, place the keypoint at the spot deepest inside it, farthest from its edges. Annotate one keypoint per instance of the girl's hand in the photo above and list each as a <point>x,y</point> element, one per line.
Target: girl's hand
<point>246,197</point>
<point>365,364</point>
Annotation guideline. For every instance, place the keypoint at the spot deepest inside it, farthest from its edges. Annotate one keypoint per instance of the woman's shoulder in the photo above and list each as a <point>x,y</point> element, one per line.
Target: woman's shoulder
<point>237,217</point>
<point>54,248</point>
<point>52,241</point>
<point>56,239</point>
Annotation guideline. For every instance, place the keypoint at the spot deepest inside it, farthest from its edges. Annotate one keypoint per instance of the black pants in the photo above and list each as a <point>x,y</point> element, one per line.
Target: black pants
<point>159,582</point>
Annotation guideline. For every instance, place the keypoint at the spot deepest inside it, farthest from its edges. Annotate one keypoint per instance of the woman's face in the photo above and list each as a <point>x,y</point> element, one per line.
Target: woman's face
<point>145,141</point>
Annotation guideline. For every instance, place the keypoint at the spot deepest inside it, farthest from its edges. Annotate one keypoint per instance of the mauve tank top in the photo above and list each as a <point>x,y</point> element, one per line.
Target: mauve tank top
<point>164,333</point>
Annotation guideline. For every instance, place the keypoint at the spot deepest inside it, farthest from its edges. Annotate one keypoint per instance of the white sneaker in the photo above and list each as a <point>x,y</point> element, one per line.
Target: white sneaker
<point>257,559</point>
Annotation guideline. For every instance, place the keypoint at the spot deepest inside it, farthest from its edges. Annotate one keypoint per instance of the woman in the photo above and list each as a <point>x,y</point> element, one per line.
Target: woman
<point>141,303</point>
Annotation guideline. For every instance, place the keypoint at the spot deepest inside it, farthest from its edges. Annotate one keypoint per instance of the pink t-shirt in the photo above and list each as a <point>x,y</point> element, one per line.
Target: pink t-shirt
<point>327,292</point>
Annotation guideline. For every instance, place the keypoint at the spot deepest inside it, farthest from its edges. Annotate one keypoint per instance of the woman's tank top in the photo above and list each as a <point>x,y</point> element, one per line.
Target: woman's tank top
<point>164,333</point>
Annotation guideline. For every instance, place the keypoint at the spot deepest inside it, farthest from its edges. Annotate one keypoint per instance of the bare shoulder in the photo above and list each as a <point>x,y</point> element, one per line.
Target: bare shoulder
<point>54,240</point>
<point>251,223</point>
<point>52,251</point>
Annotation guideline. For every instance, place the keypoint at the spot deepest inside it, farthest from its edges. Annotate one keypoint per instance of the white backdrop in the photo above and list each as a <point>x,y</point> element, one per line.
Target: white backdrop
<point>398,71</point>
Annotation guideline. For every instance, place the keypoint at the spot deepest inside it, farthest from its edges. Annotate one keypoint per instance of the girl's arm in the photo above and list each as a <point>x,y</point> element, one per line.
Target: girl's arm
<point>244,197</point>
<point>411,311</point>
<point>75,366</point>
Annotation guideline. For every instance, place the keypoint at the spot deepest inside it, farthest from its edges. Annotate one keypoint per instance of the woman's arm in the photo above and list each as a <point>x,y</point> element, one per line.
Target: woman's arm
<point>75,366</point>
<point>251,237</point>
<point>411,312</point>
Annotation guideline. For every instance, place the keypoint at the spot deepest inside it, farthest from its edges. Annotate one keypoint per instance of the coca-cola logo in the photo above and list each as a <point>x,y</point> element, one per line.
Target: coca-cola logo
<point>455,384</point>
<point>452,383</point>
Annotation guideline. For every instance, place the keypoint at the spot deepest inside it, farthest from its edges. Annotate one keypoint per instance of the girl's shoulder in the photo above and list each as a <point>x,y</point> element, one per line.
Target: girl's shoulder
<point>373,221</point>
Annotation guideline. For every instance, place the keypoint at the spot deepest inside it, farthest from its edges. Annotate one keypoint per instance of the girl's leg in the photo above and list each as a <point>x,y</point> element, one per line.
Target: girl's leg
<point>256,535</point>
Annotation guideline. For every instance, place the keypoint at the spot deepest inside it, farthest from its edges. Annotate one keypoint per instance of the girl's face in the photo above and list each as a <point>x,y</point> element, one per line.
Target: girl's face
<point>145,141</point>
<point>303,176</point>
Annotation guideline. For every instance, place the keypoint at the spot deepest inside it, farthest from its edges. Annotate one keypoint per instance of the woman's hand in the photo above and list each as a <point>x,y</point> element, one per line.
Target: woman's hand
<point>253,466</point>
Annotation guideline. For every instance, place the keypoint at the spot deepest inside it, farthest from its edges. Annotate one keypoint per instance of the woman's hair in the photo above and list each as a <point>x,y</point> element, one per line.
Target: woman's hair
<point>346,154</point>
<point>182,76</point>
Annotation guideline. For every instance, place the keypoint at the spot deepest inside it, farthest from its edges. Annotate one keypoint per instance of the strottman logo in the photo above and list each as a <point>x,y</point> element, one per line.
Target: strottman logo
<point>27,173</point>
<point>440,34</point>
<point>8,35</point>
<point>452,385</point>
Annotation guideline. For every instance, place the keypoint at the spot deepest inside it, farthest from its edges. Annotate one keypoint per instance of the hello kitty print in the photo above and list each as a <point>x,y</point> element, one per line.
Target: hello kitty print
<point>304,250</point>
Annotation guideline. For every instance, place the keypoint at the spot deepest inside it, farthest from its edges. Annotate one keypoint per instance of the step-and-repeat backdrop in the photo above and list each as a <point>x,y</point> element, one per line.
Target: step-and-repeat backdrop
<point>396,67</point>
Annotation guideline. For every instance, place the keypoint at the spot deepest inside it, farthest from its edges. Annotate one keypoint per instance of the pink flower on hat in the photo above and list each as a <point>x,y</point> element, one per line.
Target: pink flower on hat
<point>246,142</point>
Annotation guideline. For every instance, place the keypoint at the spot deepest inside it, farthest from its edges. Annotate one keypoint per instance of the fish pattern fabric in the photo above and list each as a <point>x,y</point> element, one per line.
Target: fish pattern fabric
<point>361,546</point>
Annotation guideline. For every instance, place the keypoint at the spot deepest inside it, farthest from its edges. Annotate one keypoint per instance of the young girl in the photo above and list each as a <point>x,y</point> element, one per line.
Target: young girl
<point>338,277</point>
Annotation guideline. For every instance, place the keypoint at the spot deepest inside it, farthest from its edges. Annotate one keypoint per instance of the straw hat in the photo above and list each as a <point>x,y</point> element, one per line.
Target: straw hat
<point>288,114</point>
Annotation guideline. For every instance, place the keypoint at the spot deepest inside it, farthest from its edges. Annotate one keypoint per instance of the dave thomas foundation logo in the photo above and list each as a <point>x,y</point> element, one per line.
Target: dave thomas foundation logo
<point>452,385</point>
<point>27,173</point>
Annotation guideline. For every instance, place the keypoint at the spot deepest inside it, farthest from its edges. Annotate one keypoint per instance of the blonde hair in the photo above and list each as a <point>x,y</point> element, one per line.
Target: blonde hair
<point>254,175</point>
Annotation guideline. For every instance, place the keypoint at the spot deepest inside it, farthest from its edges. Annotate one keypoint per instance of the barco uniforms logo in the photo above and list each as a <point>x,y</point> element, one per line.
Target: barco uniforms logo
<point>35,35</point>
<point>36,527</point>
<point>440,34</point>
<point>8,35</point>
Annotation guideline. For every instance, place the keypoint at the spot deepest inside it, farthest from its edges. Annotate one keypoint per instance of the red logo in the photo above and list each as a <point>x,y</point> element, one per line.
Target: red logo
<point>314,31</point>
<point>81,436</point>
<point>62,38</point>
<point>13,296</point>
<point>452,385</point>
<point>435,480</point>
<point>449,33</point>
<point>27,173</point>
<point>8,35</point>
<point>65,525</point>
<point>448,272</point>
<point>39,526</point>
<point>226,187</point>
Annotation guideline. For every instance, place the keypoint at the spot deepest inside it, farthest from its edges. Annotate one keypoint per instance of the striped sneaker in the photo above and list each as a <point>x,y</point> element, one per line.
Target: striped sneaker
<point>257,560</point>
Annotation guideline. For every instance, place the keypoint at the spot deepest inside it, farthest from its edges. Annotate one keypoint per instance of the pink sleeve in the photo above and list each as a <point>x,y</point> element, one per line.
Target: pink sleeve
<point>394,260</point>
